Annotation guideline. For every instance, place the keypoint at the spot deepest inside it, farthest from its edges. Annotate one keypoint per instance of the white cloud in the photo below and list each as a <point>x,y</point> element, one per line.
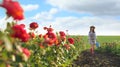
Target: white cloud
<point>95,7</point>
<point>75,25</point>
<point>80,26</point>
<point>30,7</point>
<point>46,15</point>
<point>53,11</point>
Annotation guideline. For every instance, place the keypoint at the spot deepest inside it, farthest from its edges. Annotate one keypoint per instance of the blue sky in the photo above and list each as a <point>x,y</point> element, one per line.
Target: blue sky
<point>73,15</point>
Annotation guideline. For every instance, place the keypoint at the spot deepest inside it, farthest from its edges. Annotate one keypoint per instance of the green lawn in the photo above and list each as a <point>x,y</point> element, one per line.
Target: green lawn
<point>103,39</point>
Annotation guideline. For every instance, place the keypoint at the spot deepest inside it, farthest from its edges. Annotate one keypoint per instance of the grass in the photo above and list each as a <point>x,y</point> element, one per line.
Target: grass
<point>107,42</point>
<point>101,39</point>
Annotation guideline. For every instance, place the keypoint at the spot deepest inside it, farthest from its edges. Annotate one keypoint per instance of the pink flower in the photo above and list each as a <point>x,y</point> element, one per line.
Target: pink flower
<point>8,65</point>
<point>67,46</point>
<point>26,52</point>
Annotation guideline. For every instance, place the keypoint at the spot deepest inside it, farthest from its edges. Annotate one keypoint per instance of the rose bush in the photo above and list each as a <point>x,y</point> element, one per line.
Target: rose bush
<point>19,48</point>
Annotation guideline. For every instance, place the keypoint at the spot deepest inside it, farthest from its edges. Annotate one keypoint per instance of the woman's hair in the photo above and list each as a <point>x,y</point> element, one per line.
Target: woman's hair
<point>91,29</point>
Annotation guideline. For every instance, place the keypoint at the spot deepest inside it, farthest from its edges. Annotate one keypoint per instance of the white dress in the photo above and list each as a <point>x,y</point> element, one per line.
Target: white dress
<point>92,38</point>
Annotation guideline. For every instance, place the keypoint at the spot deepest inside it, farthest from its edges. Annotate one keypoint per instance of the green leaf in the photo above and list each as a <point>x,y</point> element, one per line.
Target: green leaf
<point>8,44</point>
<point>72,46</point>
<point>2,64</point>
<point>19,58</point>
<point>4,55</point>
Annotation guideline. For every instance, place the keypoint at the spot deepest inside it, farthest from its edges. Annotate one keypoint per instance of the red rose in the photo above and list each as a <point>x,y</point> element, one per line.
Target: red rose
<point>32,35</point>
<point>71,40</point>
<point>51,38</point>
<point>33,25</point>
<point>1,42</point>
<point>45,28</point>
<point>13,9</point>
<point>8,65</point>
<point>50,29</point>
<point>67,46</point>
<point>26,52</point>
<point>62,33</point>
<point>45,36</point>
<point>41,46</point>
<point>40,35</point>
<point>20,32</point>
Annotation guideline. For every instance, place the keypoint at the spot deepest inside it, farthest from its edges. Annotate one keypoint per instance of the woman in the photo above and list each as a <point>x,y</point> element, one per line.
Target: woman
<point>92,38</point>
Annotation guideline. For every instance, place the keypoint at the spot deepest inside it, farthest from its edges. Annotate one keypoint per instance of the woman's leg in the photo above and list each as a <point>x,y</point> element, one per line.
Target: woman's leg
<point>92,49</point>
